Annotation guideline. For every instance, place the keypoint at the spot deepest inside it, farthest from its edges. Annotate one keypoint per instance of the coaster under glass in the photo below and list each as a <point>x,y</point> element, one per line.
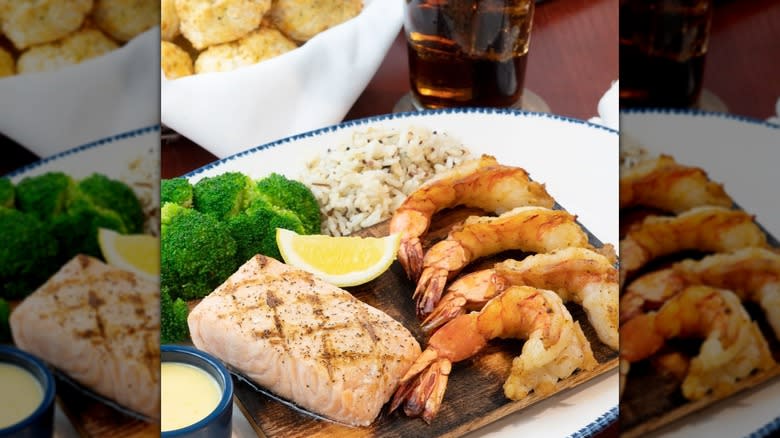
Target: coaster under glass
<point>708,101</point>
<point>529,102</point>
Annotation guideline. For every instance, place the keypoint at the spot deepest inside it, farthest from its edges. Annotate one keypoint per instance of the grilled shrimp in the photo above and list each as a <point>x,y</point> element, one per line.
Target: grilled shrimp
<point>575,274</point>
<point>468,293</point>
<point>530,229</point>
<point>660,182</point>
<point>649,292</point>
<point>752,273</point>
<point>554,348</point>
<point>480,183</point>
<point>733,345</point>
<point>709,229</point>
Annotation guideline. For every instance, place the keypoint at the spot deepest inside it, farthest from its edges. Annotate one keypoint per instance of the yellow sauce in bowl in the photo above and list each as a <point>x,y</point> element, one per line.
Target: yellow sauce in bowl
<point>188,395</point>
<point>20,396</point>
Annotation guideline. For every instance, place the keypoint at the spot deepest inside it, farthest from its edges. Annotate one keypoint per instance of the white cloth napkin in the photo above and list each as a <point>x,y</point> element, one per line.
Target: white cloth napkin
<point>608,108</point>
<point>776,118</point>
<point>54,111</point>
<point>306,88</point>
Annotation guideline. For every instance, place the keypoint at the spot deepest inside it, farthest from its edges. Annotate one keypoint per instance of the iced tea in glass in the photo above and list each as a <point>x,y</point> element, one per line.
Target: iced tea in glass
<point>663,47</point>
<point>467,52</point>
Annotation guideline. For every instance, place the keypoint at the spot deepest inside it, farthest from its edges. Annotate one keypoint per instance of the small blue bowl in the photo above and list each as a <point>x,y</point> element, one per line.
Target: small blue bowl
<point>218,423</point>
<point>41,422</point>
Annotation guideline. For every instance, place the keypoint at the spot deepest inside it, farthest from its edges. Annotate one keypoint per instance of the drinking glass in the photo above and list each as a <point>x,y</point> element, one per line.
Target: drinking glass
<point>663,48</point>
<point>467,53</point>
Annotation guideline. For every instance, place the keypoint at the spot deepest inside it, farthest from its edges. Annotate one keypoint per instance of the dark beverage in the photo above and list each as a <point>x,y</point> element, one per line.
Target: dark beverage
<point>663,46</point>
<point>467,52</point>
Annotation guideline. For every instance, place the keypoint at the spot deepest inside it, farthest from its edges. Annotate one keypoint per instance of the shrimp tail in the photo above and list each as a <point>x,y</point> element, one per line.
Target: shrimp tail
<point>429,290</point>
<point>407,383</point>
<point>411,256</point>
<point>423,361</point>
<point>402,393</point>
<point>440,372</point>
<point>470,292</point>
<point>422,396</point>
<point>447,310</point>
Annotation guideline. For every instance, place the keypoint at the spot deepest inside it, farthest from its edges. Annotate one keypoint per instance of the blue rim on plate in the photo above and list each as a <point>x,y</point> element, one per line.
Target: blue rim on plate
<point>227,394</point>
<point>48,385</point>
<point>699,113</point>
<point>103,141</point>
<point>767,430</point>
<point>604,420</point>
<point>393,116</point>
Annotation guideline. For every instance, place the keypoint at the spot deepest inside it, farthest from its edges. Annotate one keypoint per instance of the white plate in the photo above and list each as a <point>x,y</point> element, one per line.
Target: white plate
<point>578,163</point>
<point>743,154</point>
<point>108,156</point>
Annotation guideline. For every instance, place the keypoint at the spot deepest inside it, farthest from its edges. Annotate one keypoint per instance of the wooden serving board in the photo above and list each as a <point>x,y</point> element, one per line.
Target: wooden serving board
<point>474,396</point>
<point>652,399</point>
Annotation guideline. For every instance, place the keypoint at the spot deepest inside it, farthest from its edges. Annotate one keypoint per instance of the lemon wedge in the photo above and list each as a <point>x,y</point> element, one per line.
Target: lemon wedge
<point>138,253</point>
<point>341,261</point>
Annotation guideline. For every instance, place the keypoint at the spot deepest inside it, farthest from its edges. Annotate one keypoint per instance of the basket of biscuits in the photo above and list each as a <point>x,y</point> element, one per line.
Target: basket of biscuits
<point>238,73</point>
<point>73,71</point>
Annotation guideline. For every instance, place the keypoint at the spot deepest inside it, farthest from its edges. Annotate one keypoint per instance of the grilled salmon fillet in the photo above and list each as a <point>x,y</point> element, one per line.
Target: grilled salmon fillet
<point>101,326</point>
<point>305,340</point>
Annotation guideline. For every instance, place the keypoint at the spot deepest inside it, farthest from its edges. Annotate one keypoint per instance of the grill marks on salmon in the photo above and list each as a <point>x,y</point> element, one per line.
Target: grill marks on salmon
<point>305,340</point>
<point>100,325</point>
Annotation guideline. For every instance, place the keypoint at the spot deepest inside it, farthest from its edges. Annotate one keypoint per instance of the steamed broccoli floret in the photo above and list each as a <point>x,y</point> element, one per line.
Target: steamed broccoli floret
<point>177,191</point>
<point>197,252</point>
<point>73,211</point>
<point>56,219</point>
<point>169,211</point>
<point>173,319</point>
<point>6,193</point>
<point>225,195</point>
<point>114,195</point>
<point>294,196</point>
<point>255,229</point>
<point>27,253</point>
<point>5,314</point>
<point>45,195</point>
<point>76,229</point>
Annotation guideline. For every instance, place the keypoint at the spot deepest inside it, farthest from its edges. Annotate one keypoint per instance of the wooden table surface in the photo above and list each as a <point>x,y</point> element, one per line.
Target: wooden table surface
<point>743,60</point>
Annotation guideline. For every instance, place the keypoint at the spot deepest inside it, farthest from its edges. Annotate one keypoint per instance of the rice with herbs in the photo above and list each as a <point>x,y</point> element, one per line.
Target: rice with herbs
<point>143,176</point>
<point>631,152</point>
<point>362,181</point>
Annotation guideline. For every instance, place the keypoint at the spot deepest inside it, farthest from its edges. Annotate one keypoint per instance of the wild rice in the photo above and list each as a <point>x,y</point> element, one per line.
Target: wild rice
<point>143,176</point>
<point>631,152</point>
<point>361,181</point>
